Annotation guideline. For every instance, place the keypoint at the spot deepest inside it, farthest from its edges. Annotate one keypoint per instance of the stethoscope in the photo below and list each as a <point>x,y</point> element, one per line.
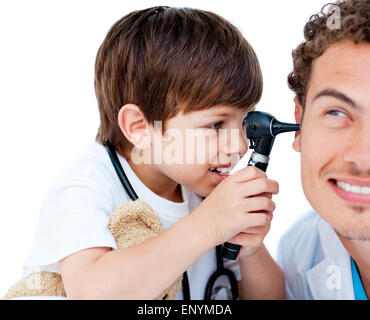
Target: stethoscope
<point>213,290</point>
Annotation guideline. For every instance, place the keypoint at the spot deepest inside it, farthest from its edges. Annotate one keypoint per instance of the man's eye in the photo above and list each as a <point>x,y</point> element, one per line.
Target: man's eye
<point>337,113</point>
<point>216,125</point>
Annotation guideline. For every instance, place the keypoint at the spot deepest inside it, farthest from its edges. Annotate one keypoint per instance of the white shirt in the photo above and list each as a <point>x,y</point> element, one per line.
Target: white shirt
<point>75,215</point>
<point>315,263</point>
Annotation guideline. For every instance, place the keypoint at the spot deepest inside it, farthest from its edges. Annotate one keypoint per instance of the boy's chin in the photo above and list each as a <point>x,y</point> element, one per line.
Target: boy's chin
<point>205,187</point>
<point>204,192</point>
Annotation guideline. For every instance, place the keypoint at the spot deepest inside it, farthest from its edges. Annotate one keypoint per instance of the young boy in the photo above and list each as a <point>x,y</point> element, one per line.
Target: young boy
<point>192,71</point>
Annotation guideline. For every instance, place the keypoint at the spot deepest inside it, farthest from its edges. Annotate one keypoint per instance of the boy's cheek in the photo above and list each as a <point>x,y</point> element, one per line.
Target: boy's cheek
<point>191,149</point>
<point>185,174</point>
<point>196,177</point>
<point>212,151</point>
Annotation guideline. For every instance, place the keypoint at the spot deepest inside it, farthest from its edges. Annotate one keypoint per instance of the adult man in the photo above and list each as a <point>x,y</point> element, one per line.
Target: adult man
<point>326,255</point>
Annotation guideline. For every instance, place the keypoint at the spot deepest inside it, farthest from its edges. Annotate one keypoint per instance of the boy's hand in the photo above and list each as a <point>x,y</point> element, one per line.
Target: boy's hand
<point>251,239</point>
<point>239,210</point>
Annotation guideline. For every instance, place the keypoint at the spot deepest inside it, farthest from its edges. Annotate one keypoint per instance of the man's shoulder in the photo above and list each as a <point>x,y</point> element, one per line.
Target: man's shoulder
<point>299,245</point>
<point>304,226</point>
<point>299,251</point>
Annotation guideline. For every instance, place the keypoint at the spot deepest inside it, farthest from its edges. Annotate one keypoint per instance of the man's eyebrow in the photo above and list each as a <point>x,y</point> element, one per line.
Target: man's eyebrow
<point>336,94</point>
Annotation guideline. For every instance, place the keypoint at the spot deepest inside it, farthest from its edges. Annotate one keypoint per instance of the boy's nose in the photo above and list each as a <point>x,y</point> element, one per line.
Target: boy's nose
<point>237,143</point>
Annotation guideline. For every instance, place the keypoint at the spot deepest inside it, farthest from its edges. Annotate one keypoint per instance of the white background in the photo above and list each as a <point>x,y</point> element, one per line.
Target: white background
<point>49,112</point>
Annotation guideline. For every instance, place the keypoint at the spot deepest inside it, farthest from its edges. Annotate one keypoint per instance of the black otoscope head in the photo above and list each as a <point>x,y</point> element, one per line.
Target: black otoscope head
<point>261,129</point>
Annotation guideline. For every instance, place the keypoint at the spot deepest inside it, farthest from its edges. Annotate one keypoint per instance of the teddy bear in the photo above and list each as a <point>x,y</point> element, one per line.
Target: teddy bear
<point>130,224</point>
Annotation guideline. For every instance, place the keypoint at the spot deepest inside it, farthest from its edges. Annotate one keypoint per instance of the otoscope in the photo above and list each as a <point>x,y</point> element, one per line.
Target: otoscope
<point>261,130</point>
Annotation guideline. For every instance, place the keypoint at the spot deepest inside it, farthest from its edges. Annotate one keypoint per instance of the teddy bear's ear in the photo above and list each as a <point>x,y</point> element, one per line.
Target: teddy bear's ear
<point>133,223</point>
<point>42,283</point>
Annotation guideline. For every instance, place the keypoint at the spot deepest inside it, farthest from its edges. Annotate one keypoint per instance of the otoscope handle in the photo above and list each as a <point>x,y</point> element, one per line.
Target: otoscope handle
<point>259,160</point>
<point>229,250</point>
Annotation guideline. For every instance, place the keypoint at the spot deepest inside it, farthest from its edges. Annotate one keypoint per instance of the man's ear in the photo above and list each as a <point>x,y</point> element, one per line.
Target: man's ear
<point>134,126</point>
<point>298,114</point>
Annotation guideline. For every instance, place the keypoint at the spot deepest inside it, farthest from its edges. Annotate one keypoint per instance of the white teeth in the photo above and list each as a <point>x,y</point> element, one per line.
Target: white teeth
<point>352,188</point>
<point>222,171</point>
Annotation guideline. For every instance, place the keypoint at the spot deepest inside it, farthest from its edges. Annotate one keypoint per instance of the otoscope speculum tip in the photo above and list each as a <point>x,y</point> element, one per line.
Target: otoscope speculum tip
<point>280,127</point>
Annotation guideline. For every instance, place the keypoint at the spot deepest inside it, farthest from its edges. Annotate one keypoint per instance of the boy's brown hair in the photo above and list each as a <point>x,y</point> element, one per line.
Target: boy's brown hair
<point>319,35</point>
<point>167,60</point>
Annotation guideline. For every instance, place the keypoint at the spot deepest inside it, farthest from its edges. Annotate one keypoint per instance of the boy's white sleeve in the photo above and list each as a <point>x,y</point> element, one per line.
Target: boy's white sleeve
<point>74,216</point>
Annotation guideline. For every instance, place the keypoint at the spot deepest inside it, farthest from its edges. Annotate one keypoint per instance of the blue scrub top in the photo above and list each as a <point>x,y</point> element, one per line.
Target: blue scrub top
<point>358,288</point>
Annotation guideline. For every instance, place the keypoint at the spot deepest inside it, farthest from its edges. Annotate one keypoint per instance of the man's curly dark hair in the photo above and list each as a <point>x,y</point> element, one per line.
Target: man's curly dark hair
<point>354,25</point>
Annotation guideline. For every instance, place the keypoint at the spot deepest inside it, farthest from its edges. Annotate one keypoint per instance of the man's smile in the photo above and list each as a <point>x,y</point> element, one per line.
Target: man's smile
<point>352,190</point>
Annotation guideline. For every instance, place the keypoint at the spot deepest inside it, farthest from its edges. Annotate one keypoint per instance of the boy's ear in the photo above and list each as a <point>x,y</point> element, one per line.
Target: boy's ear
<point>298,114</point>
<point>134,126</point>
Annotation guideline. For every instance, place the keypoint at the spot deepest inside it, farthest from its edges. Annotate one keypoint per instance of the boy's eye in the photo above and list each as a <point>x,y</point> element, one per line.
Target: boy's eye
<point>216,125</point>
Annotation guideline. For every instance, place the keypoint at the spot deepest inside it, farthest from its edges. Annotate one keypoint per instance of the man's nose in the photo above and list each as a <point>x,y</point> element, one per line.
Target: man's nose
<point>358,152</point>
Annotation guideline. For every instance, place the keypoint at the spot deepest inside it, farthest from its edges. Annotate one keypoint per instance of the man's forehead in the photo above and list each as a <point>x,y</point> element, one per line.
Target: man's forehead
<point>344,67</point>
<point>344,58</point>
